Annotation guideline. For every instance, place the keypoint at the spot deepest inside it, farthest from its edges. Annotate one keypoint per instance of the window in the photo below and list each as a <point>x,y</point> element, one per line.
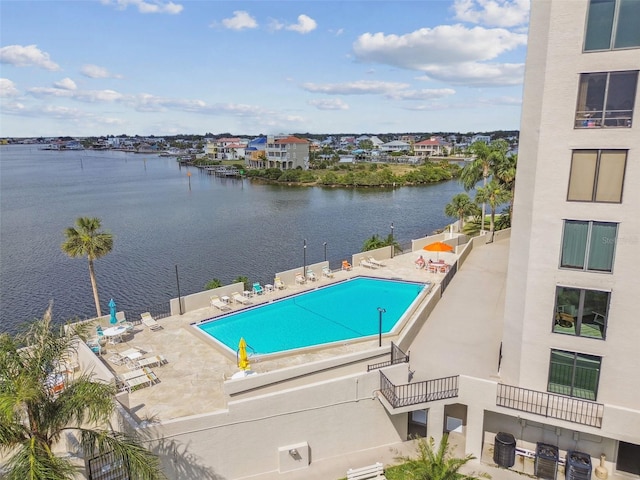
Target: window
<point>581,312</point>
<point>612,24</point>
<point>606,99</point>
<point>597,175</point>
<point>588,245</point>
<point>574,374</point>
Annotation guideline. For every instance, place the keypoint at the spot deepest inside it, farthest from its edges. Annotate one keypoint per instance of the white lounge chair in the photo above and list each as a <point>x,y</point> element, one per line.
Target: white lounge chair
<point>156,361</point>
<point>364,263</point>
<point>326,272</point>
<point>311,275</point>
<point>279,284</point>
<point>219,304</point>
<point>150,322</point>
<point>238,298</point>
<point>300,280</point>
<point>375,262</point>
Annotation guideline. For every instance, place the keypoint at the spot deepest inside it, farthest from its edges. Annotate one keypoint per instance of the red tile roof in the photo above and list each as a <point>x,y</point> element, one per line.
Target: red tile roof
<point>291,140</point>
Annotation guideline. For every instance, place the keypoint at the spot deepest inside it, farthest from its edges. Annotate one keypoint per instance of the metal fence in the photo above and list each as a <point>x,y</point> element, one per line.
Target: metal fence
<point>550,405</point>
<point>396,356</point>
<point>418,392</point>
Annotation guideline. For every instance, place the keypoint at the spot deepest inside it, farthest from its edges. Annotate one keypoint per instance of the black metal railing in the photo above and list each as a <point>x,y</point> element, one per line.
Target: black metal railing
<point>160,310</point>
<point>396,356</point>
<point>570,409</point>
<point>418,392</point>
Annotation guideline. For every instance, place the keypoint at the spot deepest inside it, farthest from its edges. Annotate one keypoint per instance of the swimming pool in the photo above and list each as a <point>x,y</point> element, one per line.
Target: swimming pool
<point>336,313</point>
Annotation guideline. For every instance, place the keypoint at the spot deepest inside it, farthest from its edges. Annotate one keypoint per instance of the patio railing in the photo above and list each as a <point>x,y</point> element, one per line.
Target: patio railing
<point>550,405</point>
<point>418,392</point>
<point>396,356</point>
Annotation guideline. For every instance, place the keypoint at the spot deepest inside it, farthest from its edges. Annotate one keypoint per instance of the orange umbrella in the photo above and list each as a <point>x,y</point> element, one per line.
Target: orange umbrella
<point>438,247</point>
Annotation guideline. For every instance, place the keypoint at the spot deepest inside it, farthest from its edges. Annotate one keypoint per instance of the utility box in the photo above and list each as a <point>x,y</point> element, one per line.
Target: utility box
<point>504,450</point>
<point>546,464</point>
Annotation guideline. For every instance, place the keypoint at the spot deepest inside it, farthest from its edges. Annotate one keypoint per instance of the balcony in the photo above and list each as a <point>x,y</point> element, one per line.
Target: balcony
<point>419,392</point>
<point>550,405</point>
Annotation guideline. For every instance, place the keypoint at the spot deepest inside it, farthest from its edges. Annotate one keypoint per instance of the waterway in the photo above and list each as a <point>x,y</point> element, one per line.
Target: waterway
<point>160,217</point>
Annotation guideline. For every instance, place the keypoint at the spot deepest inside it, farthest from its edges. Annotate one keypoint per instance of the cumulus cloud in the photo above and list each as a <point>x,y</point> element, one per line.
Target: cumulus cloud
<point>66,84</point>
<point>498,13</point>
<point>441,44</point>
<point>452,53</point>
<point>8,88</point>
<point>152,6</point>
<point>362,87</point>
<point>27,56</point>
<point>329,104</point>
<point>424,94</point>
<point>240,21</point>
<point>305,25</point>
<point>94,71</point>
<point>477,74</point>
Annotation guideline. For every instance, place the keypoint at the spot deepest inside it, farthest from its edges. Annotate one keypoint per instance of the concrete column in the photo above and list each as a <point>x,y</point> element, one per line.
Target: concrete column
<point>474,430</point>
<point>435,421</point>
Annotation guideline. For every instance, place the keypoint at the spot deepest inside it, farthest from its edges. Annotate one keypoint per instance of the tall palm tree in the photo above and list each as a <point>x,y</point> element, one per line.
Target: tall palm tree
<point>505,173</point>
<point>487,156</point>
<point>86,240</point>
<point>438,464</point>
<point>494,194</point>
<point>460,207</point>
<point>34,416</point>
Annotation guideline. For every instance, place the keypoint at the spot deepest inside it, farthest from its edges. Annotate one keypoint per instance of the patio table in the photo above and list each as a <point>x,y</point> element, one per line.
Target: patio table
<point>114,334</point>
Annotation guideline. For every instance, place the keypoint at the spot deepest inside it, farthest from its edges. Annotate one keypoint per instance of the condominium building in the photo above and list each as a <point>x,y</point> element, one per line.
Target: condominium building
<point>571,340</point>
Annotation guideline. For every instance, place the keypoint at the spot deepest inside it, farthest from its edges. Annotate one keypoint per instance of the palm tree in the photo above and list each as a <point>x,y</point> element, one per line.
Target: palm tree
<point>483,165</point>
<point>494,194</point>
<point>460,207</point>
<point>505,173</point>
<point>86,239</point>
<point>438,464</point>
<point>375,242</point>
<point>34,417</point>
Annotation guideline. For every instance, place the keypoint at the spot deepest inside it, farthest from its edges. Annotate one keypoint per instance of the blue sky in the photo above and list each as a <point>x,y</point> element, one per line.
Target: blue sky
<point>101,67</point>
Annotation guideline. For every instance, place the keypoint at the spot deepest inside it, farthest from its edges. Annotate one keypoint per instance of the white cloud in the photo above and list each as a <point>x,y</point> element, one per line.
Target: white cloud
<point>362,87</point>
<point>329,104</point>
<point>27,56</point>
<point>8,88</point>
<point>477,74</point>
<point>87,96</point>
<point>66,84</point>
<point>425,94</point>
<point>95,71</point>
<point>498,13</point>
<point>442,44</point>
<point>240,21</point>
<point>305,25</point>
<point>153,6</point>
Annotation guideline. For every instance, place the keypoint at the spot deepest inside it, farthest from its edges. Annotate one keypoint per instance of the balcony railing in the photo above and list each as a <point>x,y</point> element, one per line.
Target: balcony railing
<point>418,392</point>
<point>550,405</point>
<point>396,356</point>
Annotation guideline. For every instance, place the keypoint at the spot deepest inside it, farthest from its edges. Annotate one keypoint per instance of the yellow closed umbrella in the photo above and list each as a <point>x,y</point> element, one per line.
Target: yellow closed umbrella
<point>243,359</point>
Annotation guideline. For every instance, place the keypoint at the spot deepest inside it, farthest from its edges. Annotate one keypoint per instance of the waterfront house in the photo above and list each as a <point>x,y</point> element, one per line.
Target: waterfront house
<point>287,153</point>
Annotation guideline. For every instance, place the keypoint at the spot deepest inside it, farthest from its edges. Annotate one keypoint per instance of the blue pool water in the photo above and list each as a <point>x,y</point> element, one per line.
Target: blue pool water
<point>336,313</point>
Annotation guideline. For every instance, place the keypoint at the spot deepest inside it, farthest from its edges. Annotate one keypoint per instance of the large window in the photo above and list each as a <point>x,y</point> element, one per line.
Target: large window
<point>581,312</point>
<point>574,374</point>
<point>597,175</point>
<point>606,99</point>
<point>612,24</point>
<point>588,245</point>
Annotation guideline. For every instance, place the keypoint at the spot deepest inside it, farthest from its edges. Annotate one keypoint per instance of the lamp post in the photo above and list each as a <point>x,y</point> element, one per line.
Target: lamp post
<point>325,251</point>
<point>391,240</point>
<point>380,311</point>
<point>304,258</point>
<point>178,283</point>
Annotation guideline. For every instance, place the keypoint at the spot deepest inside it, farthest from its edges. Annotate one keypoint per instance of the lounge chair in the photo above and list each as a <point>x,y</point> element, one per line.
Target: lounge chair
<point>311,275</point>
<point>279,284</point>
<point>257,289</point>
<point>326,272</point>
<point>219,304</point>
<point>364,263</point>
<point>238,298</point>
<point>150,322</point>
<point>300,280</point>
<point>377,263</point>
<point>346,265</point>
<point>156,361</point>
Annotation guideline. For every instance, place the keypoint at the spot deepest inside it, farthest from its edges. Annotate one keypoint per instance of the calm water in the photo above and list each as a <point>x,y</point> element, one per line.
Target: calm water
<point>325,315</point>
<point>220,228</point>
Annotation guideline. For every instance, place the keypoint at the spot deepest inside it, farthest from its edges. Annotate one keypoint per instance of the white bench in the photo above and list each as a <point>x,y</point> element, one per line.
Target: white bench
<point>364,473</point>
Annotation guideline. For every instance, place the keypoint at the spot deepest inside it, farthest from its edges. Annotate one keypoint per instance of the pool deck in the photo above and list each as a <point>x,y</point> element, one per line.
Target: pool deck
<point>197,369</point>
